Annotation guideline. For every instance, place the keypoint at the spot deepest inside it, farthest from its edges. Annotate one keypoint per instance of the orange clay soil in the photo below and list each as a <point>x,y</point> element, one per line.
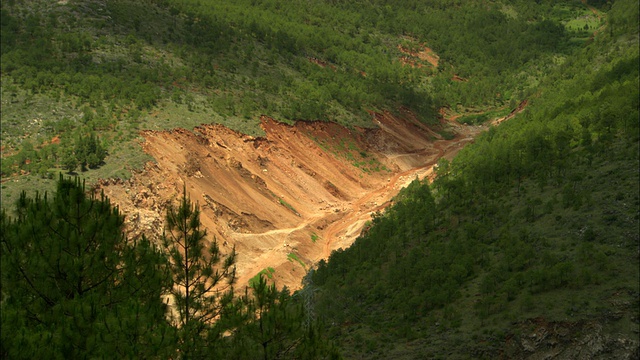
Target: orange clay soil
<point>425,54</point>
<point>305,190</point>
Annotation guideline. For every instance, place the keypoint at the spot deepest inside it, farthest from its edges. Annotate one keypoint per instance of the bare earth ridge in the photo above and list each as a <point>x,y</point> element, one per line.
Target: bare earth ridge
<point>285,200</point>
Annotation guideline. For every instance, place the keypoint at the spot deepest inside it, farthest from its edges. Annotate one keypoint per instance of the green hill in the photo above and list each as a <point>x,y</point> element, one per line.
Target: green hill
<point>111,68</point>
<point>526,244</point>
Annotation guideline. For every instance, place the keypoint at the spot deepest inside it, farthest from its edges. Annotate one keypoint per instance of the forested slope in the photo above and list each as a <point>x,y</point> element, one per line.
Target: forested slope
<point>75,68</point>
<point>75,287</point>
<point>526,244</point>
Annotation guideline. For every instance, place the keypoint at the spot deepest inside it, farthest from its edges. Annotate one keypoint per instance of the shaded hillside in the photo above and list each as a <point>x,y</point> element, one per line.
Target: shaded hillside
<point>525,245</point>
<point>290,123</point>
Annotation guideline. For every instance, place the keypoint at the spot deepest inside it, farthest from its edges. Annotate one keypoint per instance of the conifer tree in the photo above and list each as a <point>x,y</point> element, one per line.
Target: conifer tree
<point>202,277</point>
<point>73,286</point>
<point>88,151</point>
<point>278,325</point>
<point>68,160</point>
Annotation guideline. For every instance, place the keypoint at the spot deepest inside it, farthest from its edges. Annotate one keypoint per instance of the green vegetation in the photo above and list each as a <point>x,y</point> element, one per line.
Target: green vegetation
<point>314,237</point>
<point>293,257</point>
<point>113,69</point>
<point>268,272</point>
<point>537,219</point>
<point>202,279</point>
<point>349,150</point>
<point>73,286</point>
<point>288,206</point>
<point>279,326</point>
<point>481,118</point>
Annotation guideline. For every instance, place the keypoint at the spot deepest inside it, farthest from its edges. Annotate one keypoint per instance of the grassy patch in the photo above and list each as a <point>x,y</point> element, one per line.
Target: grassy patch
<point>268,272</point>
<point>31,184</point>
<point>123,158</point>
<point>447,134</point>
<point>314,237</point>
<point>586,21</point>
<point>349,150</point>
<point>475,119</point>
<point>33,117</point>
<point>288,206</point>
<point>481,118</point>
<point>582,25</point>
<point>171,115</point>
<point>293,257</point>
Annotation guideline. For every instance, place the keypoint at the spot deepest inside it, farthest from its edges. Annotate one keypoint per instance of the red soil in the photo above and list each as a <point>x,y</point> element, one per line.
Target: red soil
<point>425,54</point>
<point>270,196</point>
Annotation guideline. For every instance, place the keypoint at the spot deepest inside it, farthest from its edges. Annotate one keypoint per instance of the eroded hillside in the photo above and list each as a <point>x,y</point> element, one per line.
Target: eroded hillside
<point>285,200</point>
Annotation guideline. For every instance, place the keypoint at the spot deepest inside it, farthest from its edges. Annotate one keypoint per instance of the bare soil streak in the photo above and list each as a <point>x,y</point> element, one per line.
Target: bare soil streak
<point>267,196</point>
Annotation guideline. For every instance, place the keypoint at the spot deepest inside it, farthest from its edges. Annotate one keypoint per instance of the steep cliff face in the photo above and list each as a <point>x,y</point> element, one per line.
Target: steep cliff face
<point>289,198</point>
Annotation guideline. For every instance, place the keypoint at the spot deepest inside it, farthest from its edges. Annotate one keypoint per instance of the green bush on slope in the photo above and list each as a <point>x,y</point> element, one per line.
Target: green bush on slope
<point>538,218</point>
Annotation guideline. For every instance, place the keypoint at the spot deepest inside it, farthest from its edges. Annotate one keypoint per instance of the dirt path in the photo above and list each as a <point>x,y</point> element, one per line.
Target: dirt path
<point>300,192</point>
<point>354,215</point>
<point>514,112</point>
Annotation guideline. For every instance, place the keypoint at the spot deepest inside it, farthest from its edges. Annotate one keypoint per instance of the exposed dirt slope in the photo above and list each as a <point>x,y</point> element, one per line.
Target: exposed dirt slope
<point>305,190</point>
<point>425,54</point>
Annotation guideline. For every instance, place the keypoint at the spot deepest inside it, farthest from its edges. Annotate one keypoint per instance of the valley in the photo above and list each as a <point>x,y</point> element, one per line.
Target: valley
<point>288,199</point>
<point>312,138</point>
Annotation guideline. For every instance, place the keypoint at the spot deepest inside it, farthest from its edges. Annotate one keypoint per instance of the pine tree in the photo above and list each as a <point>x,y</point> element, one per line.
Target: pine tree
<point>279,325</point>
<point>88,151</point>
<point>202,277</point>
<point>68,160</point>
<point>73,286</point>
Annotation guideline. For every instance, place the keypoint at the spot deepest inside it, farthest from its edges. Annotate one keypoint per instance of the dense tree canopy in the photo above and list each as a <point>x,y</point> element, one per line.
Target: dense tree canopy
<point>540,207</point>
<point>232,61</point>
<point>526,222</point>
<point>73,286</point>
